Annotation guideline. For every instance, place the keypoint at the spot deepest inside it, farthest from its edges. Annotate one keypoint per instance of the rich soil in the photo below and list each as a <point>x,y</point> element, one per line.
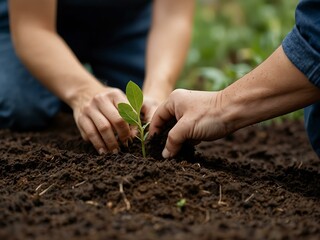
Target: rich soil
<point>263,182</point>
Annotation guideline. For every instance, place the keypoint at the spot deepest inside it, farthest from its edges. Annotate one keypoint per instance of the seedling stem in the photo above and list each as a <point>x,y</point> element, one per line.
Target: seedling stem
<point>131,112</point>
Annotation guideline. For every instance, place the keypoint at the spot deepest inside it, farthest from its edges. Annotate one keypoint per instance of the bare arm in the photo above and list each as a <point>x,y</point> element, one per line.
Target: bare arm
<point>274,88</point>
<point>42,50</point>
<point>50,60</point>
<point>167,47</point>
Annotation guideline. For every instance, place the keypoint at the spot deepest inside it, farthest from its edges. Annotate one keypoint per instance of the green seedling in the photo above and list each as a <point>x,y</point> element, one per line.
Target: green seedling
<point>181,203</point>
<point>131,112</point>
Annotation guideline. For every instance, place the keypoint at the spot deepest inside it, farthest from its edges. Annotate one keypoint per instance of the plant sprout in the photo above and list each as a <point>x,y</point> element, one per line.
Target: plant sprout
<point>181,203</point>
<point>131,112</point>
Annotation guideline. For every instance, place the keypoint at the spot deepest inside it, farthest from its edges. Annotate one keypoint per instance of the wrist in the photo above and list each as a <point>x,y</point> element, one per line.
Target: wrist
<point>235,111</point>
<point>83,92</point>
<point>159,90</point>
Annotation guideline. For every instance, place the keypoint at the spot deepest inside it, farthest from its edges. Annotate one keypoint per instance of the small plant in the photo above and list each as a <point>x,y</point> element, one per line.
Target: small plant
<point>181,203</point>
<point>131,112</point>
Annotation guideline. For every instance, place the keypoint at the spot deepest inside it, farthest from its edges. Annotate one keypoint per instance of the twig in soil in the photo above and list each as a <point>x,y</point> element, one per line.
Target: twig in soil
<point>249,198</point>
<point>277,183</point>
<point>37,188</point>
<point>90,202</point>
<point>220,202</point>
<point>126,201</point>
<point>207,219</point>
<point>279,209</point>
<point>79,184</point>
<point>205,192</point>
<point>46,190</point>
<point>300,165</point>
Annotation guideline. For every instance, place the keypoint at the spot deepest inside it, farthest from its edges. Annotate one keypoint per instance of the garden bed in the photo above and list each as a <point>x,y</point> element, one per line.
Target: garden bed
<point>263,182</point>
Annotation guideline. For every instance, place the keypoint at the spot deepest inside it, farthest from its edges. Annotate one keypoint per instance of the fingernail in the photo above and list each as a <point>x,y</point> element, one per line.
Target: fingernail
<point>115,151</point>
<point>102,151</point>
<point>166,153</point>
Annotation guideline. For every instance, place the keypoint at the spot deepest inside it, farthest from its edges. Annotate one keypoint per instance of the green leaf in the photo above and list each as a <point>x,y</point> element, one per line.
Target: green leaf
<point>135,96</point>
<point>128,114</point>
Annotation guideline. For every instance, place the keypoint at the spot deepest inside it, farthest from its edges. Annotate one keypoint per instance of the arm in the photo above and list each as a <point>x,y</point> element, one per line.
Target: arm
<point>272,89</point>
<point>42,50</point>
<point>50,60</point>
<point>167,47</point>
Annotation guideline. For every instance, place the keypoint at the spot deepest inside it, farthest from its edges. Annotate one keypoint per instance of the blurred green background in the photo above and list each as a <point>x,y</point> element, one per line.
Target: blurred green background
<point>231,37</point>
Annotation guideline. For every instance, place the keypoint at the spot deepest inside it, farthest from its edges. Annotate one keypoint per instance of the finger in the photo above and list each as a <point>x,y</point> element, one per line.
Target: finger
<point>133,132</point>
<point>163,114</point>
<point>176,137</point>
<point>90,132</point>
<point>117,122</point>
<point>83,134</point>
<point>148,112</point>
<point>105,130</point>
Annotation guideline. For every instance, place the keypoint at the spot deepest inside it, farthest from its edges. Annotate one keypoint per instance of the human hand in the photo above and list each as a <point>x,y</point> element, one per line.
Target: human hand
<point>97,118</point>
<point>149,107</point>
<point>198,115</point>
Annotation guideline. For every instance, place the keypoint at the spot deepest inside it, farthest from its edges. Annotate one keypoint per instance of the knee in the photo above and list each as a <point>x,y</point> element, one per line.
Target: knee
<point>20,114</point>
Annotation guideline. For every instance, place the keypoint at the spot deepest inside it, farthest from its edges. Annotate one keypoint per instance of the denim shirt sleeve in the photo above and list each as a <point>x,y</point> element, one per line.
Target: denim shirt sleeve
<point>302,44</point>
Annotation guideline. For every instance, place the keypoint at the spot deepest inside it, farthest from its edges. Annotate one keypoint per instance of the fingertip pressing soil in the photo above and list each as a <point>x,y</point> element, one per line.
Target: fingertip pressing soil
<point>262,182</point>
<point>157,143</point>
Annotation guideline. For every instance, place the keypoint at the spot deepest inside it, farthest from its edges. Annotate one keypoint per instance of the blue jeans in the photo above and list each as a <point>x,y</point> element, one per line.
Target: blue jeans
<point>111,40</point>
<point>302,47</point>
<point>312,121</point>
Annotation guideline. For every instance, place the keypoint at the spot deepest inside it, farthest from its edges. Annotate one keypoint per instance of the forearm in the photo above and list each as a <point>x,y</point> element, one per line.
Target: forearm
<point>167,48</point>
<point>272,89</point>
<point>52,62</point>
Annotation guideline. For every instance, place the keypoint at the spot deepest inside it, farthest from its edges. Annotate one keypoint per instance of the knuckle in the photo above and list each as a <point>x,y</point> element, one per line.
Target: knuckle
<point>120,123</point>
<point>116,93</point>
<point>98,98</point>
<point>91,134</point>
<point>103,128</point>
<point>187,123</point>
<point>177,92</point>
<point>86,111</point>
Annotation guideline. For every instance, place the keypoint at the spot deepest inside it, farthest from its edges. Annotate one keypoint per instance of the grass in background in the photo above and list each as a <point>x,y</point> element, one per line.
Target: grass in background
<point>231,37</point>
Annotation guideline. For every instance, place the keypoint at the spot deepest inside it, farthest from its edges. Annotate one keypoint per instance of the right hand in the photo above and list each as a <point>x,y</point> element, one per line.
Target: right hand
<point>198,115</point>
<point>96,115</point>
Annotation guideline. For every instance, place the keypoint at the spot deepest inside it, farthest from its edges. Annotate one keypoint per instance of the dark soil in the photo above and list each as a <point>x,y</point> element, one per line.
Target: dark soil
<point>262,182</point>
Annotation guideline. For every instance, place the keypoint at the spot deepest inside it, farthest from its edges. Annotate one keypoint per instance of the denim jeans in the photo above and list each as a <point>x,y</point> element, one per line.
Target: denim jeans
<point>302,47</point>
<point>312,122</point>
<point>111,39</point>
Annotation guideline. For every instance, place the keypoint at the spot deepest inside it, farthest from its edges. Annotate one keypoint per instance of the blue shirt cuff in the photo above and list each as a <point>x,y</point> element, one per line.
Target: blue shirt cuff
<point>302,55</point>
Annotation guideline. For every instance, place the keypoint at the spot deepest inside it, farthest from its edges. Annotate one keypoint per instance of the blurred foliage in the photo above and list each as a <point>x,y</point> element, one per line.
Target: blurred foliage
<point>231,37</point>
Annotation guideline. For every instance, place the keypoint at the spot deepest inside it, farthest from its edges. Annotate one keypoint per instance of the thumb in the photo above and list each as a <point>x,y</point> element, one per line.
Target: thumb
<point>176,137</point>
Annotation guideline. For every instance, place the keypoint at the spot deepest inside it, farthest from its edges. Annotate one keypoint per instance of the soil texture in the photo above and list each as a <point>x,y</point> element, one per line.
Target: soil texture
<point>262,182</point>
